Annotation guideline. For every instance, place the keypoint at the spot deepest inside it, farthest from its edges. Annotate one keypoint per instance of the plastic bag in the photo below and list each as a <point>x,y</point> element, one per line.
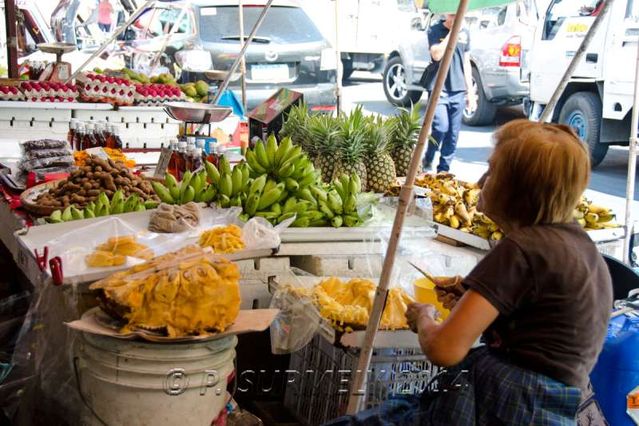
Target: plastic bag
<point>41,163</point>
<point>297,321</point>
<point>47,153</point>
<point>43,144</point>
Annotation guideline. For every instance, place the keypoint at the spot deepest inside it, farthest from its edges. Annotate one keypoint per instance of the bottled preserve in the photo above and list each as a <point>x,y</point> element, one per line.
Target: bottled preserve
<point>174,162</point>
<point>113,138</point>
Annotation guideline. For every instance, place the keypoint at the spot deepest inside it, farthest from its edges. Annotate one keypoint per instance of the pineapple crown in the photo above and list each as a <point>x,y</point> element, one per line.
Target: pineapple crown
<point>296,127</point>
<point>351,136</point>
<point>378,136</point>
<point>404,128</point>
<point>323,130</point>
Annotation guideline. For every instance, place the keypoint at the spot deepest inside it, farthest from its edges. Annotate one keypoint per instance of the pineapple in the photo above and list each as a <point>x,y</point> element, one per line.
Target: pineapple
<point>296,127</point>
<point>323,131</point>
<point>403,137</point>
<point>380,168</point>
<point>351,146</point>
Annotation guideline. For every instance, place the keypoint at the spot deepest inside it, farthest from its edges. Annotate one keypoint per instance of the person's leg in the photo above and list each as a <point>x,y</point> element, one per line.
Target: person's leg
<point>456,105</point>
<point>438,132</point>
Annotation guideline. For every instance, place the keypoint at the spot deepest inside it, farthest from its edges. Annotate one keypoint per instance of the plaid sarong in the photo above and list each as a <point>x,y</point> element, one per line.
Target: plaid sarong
<point>482,390</point>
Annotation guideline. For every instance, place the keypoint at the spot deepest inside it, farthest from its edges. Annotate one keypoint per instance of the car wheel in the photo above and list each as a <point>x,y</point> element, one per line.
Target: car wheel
<point>395,85</point>
<point>582,112</point>
<point>485,112</point>
<point>347,69</point>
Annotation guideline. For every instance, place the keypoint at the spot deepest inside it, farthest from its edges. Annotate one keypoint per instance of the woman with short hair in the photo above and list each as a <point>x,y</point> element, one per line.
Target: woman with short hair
<point>541,298</point>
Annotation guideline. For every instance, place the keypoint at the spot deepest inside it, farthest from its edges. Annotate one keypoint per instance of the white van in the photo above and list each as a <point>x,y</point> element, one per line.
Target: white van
<point>368,29</point>
<point>599,96</point>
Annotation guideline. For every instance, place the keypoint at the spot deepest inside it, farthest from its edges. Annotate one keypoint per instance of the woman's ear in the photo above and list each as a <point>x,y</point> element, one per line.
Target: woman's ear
<point>482,180</point>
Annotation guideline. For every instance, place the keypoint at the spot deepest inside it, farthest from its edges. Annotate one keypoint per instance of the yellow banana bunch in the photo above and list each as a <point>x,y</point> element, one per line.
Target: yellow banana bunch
<point>594,216</point>
<point>455,205</point>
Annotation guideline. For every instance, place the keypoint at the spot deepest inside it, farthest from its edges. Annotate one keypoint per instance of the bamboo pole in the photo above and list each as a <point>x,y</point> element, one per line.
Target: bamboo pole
<point>632,166</point>
<point>339,70</point>
<point>357,386</point>
<point>110,40</point>
<point>240,14</point>
<point>585,43</point>
<point>240,55</point>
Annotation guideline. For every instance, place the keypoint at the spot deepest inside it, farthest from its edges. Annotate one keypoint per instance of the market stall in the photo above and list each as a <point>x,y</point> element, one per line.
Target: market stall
<point>295,236</point>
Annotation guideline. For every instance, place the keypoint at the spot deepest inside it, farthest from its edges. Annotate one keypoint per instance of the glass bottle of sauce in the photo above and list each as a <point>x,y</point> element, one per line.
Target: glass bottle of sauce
<point>89,140</point>
<point>113,138</point>
<point>71,134</point>
<point>174,162</point>
<point>78,136</point>
<point>181,159</point>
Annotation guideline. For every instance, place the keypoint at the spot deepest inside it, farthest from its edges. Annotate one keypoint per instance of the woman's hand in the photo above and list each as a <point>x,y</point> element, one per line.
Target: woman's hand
<point>418,311</point>
<point>449,290</point>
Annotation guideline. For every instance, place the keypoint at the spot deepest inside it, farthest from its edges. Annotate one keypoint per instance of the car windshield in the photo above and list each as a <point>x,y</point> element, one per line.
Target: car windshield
<point>281,25</point>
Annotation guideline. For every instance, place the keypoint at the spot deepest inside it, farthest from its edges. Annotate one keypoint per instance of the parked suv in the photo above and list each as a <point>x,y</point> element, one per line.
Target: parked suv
<point>496,34</point>
<point>190,37</point>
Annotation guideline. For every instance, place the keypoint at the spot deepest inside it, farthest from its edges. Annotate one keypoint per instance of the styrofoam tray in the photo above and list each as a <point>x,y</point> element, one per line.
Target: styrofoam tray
<point>72,241</point>
<point>597,236</point>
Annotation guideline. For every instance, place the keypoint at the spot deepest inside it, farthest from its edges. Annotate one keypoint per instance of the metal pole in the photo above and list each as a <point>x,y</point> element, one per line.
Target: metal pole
<point>632,165</point>
<point>256,27</point>
<point>12,37</point>
<point>174,29</point>
<point>576,60</point>
<point>240,6</point>
<point>338,58</point>
<point>405,196</point>
<point>110,40</point>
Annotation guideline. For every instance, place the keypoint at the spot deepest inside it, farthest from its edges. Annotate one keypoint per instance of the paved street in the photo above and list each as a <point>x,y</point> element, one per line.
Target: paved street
<point>608,183</point>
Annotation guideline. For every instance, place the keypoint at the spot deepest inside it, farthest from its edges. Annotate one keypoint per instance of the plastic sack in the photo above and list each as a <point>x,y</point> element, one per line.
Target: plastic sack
<point>43,144</point>
<point>297,321</point>
<point>47,153</point>
<point>41,163</point>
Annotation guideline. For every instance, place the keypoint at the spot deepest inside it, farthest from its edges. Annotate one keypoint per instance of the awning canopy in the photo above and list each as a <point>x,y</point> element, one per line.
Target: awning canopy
<point>450,6</point>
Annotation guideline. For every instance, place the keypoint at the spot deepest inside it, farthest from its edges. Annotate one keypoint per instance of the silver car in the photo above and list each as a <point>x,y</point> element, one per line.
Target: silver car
<point>497,36</point>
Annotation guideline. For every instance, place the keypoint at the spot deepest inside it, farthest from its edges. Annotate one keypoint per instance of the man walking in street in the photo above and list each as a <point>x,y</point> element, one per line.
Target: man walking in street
<point>455,95</point>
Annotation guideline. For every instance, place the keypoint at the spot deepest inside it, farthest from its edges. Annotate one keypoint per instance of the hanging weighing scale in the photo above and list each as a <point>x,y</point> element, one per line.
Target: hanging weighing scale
<point>59,71</point>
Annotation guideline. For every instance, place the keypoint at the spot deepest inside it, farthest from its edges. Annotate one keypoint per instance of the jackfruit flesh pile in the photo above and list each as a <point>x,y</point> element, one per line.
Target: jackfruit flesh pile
<point>223,239</point>
<point>188,292</point>
<point>115,251</point>
<point>349,304</point>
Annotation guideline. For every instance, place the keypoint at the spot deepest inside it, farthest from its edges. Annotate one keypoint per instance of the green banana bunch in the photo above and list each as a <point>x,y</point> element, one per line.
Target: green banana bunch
<point>193,187</point>
<point>283,161</point>
<point>329,205</point>
<point>231,184</point>
<point>103,206</point>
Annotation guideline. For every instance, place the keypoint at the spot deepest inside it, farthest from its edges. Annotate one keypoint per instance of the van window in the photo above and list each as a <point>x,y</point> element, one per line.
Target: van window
<point>632,9</point>
<point>281,25</point>
<point>559,10</point>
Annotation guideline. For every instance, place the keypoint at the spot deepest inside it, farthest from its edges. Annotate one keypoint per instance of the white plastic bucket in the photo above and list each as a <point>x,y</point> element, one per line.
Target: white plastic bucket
<point>139,383</point>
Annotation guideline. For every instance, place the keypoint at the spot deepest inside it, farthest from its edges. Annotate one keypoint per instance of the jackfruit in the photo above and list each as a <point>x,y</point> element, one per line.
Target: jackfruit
<point>223,239</point>
<point>347,305</point>
<point>188,292</point>
<point>100,258</point>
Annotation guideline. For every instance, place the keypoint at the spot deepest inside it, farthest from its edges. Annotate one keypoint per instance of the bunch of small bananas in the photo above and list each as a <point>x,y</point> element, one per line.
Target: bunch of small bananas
<point>455,205</point>
<point>103,207</point>
<point>593,216</point>
<point>231,184</point>
<point>193,187</point>
<point>286,184</point>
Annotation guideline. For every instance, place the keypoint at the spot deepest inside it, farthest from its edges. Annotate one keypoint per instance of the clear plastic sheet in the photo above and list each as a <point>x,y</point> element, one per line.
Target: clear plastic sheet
<point>298,320</point>
<point>42,386</point>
